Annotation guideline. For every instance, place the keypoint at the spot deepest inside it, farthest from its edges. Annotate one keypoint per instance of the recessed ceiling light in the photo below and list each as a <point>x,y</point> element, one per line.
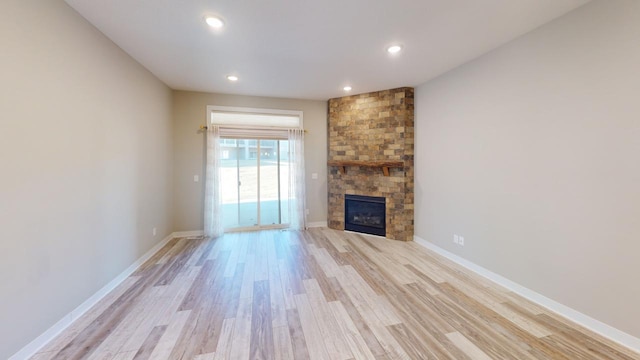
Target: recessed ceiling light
<point>214,22</point>
<point>394,49</point>
<point>347,88</point>
<point>232,78</point>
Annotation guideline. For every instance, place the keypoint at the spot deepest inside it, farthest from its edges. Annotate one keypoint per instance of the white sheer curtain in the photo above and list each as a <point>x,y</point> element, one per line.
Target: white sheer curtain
<point>212,200</point>
<point>297,192</point>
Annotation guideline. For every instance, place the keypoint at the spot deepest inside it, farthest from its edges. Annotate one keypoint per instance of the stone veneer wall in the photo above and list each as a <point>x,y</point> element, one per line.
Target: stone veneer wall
<point>373,126</point>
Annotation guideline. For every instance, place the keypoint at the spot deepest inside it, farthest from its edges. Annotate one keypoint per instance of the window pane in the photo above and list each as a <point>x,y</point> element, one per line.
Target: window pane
<point>269,204</point>
<point>284,180</point>
<point>248,170</point>
<point>229,185</point>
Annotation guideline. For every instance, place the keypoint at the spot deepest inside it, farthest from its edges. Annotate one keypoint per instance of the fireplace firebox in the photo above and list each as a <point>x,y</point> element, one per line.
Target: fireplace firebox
<point>365,214</point>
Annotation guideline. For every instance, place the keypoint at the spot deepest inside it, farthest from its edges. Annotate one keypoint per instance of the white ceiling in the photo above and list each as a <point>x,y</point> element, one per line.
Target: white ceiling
<point>311,49</point>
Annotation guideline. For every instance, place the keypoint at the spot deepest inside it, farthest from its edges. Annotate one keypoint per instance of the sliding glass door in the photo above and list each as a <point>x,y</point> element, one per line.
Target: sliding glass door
<point>255,183</point>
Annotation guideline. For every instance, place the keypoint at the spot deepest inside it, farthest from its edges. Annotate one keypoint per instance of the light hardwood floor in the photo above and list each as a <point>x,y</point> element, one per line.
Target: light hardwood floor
<point>317,294</point>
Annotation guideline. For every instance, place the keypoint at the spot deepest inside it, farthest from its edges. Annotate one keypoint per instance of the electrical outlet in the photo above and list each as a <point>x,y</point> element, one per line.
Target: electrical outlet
<point>196,178</point>
<point>306,211</point>
<point>456,239</point>
<point>154,231</point>
<point>461,240</point>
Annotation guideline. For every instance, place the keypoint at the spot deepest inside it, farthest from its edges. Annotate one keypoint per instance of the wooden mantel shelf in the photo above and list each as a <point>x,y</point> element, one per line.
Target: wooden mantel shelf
<point>384,165</point>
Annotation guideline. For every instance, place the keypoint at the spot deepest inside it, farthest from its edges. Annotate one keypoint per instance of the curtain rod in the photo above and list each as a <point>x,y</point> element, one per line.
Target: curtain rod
<point>204,127</point>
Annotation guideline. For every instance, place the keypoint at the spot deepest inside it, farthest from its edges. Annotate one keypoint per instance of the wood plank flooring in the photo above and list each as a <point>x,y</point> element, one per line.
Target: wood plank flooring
<point>316,294</point>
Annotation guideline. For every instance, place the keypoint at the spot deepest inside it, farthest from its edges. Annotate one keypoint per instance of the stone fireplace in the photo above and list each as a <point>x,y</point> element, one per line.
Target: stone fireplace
<point>371,154</point>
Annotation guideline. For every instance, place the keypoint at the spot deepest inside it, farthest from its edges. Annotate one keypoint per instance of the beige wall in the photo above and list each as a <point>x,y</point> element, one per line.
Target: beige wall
<point>532,154</point>
<point>189,109</point>
<point>85,154</point>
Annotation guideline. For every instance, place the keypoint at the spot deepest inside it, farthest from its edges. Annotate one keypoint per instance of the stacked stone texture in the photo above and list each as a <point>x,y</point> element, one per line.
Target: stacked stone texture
<point>373,126</point>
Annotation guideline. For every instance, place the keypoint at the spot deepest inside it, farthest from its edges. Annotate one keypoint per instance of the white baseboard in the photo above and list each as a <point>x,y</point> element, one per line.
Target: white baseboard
<point>37,344</point>
<point>317,224</point>
<point>192,233</point>
<point>588,322</point>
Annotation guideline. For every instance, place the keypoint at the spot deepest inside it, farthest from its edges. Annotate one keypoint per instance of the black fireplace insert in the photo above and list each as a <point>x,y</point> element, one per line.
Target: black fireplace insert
<point>365,214</point>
